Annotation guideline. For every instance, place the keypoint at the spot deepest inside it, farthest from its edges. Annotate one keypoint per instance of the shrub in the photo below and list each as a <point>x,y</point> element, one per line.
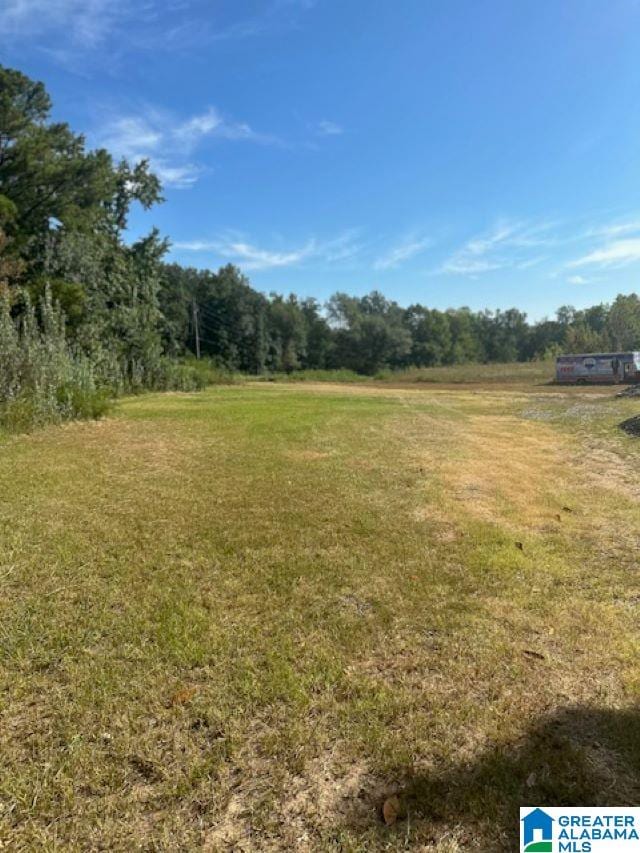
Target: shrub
<point>189,375</point>
<point>339,375</point>
<point>41,380</point>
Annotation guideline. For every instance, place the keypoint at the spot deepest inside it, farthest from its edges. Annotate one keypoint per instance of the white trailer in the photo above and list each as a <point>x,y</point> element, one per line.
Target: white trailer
<point>598,367</point>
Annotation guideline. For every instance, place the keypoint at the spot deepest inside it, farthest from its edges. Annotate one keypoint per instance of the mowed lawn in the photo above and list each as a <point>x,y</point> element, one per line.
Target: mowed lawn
<point>244,619</point>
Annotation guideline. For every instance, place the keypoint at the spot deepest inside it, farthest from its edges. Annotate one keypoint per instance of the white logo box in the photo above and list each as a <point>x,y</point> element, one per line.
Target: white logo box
<point>549,829</point>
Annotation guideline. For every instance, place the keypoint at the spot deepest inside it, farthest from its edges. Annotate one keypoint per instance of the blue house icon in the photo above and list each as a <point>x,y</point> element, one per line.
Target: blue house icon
<point>537,831</point>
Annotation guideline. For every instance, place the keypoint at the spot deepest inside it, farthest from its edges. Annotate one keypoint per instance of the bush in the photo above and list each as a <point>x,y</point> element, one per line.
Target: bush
<point>189,375</point>
<point>340,375</point>
<point>41,380</point>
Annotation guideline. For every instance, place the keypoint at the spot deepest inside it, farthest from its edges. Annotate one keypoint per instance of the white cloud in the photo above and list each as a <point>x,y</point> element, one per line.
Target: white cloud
<point>131,137</point>
<point>178,177</point>
<point>509,244</point>
<point>68,29</point>
<point>345,247</point>
<point>329,128</point>
<point>615,229</point>
<point>273,17</point>
<point>198,126</point>
<point>614,254</point>
<point>253,258</point>
<point>248,256</point>
<point>460,265</point>
<point>84,21</point>
<point>159,137</point>
<point>403,252</point>
<point>211,123</point>
<point>577,279</point>
<point>236,249</point>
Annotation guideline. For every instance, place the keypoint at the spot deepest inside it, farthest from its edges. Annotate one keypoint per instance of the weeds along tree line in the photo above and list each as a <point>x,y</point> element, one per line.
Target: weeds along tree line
<point>85,315</point>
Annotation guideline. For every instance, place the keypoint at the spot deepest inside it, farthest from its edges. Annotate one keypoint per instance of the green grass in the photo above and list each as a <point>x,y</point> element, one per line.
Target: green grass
<point>338,375</point>
<point>521,373</point>
<point>530,372</point>
<point>241,619</point>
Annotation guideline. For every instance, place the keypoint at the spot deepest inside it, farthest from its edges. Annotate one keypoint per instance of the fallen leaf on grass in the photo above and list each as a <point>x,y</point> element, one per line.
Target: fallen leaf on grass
<point>183,696</point>
<point>391,810</point>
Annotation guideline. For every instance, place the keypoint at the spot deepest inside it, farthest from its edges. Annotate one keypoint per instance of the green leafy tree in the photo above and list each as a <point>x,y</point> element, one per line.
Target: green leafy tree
<point>319,340</point>
<point>370,333</point>
<point>623,322</point>
<point>288,333</point>
<point>430,332</point>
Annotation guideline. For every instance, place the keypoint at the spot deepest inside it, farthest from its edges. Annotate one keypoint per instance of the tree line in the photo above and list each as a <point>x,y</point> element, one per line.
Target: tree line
<point>253,333</point>
<point>85,314</point>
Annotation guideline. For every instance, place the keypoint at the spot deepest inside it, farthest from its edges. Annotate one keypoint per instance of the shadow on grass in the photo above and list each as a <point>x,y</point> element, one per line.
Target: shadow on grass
<point>631,426</point>
<point>575,757</point>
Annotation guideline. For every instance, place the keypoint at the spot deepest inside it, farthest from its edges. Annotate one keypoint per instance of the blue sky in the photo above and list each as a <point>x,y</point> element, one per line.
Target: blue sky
<point>452,152</point>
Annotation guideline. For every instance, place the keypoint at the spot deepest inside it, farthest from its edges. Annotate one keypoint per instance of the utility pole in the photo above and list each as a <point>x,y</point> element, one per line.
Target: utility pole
<point>196,329</point>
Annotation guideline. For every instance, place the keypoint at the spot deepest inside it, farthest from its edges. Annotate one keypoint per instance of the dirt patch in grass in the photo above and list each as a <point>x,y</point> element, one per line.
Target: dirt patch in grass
<point>326,794</point>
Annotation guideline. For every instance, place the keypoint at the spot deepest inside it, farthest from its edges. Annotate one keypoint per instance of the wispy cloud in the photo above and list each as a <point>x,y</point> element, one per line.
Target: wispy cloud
<point>329,128</point>
<point>614,244</point>
<point>516,245</point>
<point>237,249</point>
<point>211,123</point>
<point>254,258</point>
<point>346,247</point>
<point>508,244</point>
<point>169,143</point>
<point>68,29</point>
<point>617,253</point>
<point>272,17</point>
<point>615,229</point>
<point>406,250</point>
<point>247,255</point>
<point>83,21</point>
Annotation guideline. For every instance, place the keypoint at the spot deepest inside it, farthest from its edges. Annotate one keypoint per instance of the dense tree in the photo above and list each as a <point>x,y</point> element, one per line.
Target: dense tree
<point>319,347</point>
<point>623,322</point>
<point>369,332</point>
<point>63,213</point>
<point>289,333</point>
<point>431,338</point>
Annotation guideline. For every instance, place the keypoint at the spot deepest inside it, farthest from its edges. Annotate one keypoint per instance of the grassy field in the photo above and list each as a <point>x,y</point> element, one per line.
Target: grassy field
<point>519,372</point>
<point>525,373</point>
<point>245,619</point>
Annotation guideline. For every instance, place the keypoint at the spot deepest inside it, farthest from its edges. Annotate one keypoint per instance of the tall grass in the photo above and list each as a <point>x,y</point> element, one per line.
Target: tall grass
<point>44,380</point>
<point>190,374</point>
<point>315,375</point>
<point>536,372</point>
<point>41,380</point>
